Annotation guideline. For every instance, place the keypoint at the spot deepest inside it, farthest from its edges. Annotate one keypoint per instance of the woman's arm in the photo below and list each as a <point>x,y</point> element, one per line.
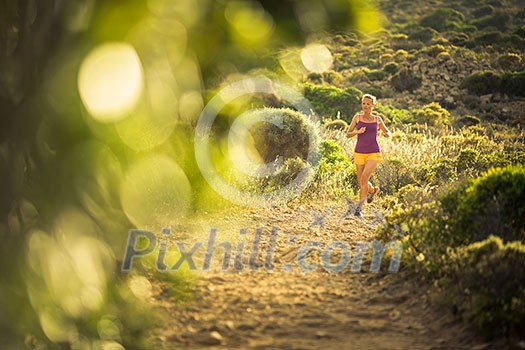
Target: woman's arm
<point>351,129</point>
<point>382,126</point>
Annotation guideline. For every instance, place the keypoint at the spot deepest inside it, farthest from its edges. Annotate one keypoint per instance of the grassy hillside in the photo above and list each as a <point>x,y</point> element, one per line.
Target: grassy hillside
<point>467,56</point>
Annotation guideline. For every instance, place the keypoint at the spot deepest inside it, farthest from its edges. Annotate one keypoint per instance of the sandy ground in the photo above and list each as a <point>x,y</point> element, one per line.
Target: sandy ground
<point>282,306</point>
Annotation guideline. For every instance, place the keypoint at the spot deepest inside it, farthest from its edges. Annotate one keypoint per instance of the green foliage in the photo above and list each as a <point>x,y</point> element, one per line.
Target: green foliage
<point>286,173</point>
<point>494,203</point>
<point>336,174</point>
<point>393,174</point>
<point>482,11</point>
<point>439,172</point>
<point>376,74</point>
<point>467,159</point>
<point>461,38</point>
<point>394,114</point>
<point>498,20</point>
<point>400,55</point>
<point>481,83</point>
<point>390,67</point>
<point>485,283</point>
<point>296,138</point>
<point>386,58</point>
<point>329,77</point>
<point>443,19</point>
<point>329,100</point>
<point>332,153</point>
<point>336,124</point>
<point>468,120</point>
<point>488,38</point>
<point>433,114</point>
<point>405,79</point>
<point>434,50</point>
<point>424,34</point>
<point>511,83</point>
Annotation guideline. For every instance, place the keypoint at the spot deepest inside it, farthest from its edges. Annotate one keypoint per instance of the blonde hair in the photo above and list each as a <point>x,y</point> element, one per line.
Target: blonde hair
<point>372,97</point>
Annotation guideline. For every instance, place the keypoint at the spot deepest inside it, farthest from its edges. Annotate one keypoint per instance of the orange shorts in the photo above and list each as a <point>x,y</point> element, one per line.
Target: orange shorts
<point>361,158</point>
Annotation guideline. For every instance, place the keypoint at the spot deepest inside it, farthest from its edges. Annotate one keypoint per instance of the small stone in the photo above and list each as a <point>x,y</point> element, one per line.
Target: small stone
<point>321,334</point>
<point>394,315</point>
<point>229,325</point>
<point>246,327</point>
<point>212,338</point>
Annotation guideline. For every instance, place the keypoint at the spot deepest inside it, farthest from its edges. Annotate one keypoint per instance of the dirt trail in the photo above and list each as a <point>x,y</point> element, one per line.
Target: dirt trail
<point>283,309</point>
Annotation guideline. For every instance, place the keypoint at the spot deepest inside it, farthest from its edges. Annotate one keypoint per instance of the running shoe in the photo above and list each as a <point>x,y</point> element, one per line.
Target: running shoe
<point>370,196</point>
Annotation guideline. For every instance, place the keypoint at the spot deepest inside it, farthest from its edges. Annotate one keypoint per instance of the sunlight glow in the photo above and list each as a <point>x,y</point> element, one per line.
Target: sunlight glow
<point>317,58</point>
<point>291,63</point>
<point>251,24</point>
<point>110,81</point>
<point>155,193</point>
<point>141,287</point>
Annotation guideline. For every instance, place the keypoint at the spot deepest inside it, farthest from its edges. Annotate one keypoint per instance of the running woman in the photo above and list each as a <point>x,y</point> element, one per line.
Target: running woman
<point>367,154</point>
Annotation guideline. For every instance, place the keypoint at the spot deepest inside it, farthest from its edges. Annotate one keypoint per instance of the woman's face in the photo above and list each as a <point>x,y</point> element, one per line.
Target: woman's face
<point>367,104</point>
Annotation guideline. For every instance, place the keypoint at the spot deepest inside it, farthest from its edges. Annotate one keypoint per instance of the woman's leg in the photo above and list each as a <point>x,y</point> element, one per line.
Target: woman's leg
<point>359,169</point>
<point>364,184</point>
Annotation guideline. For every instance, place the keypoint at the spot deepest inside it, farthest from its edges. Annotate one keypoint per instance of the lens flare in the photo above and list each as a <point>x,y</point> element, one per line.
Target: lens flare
<point>155,193</point>
<point>110,81</point>
<point>317,58</point>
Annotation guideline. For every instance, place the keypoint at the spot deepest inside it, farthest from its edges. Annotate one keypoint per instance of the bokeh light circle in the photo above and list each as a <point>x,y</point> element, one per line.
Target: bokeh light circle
<point>317,58</point>
<point>155,192</point>
<point>110,81</point>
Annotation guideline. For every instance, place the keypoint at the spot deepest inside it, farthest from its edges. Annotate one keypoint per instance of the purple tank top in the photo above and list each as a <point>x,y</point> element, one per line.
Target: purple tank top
<point>367,141</point>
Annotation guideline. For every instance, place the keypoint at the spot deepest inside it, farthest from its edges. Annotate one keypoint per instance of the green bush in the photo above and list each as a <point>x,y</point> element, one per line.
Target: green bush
<point>296,138</point>
<point>400,55</point>
<point>444,19</point>
<point>511,83</point>
<point>393,174</point>
<point>376,74</point>
<point>433,114</point>
<point>498,20</point>
<point>460,39</point>
<point>503,159</point>
<point>468,120</point>
<point>336,173</point>
<point>329,100</point>
<point>485,284</point>
<point>286,173</point>
<point>494,203</point>
<point>482,11</point>
<point>443,56</point>
<point>489,38</point>
<point>332,153</point>
<point>390,67</point>
<point>469,162</point>
<point>386,58</point>
<point>481,83</point>
<point>439,172</point>
<point>434,50</point>
<point>405,79</point>
<point>394,114</point>
<point>336,124</point>
<point>424,34</point>
<point>329,77</point>
<point>461,214</point>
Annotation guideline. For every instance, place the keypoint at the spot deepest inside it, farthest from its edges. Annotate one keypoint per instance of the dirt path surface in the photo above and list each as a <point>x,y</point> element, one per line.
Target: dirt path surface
<point>288,308</point>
